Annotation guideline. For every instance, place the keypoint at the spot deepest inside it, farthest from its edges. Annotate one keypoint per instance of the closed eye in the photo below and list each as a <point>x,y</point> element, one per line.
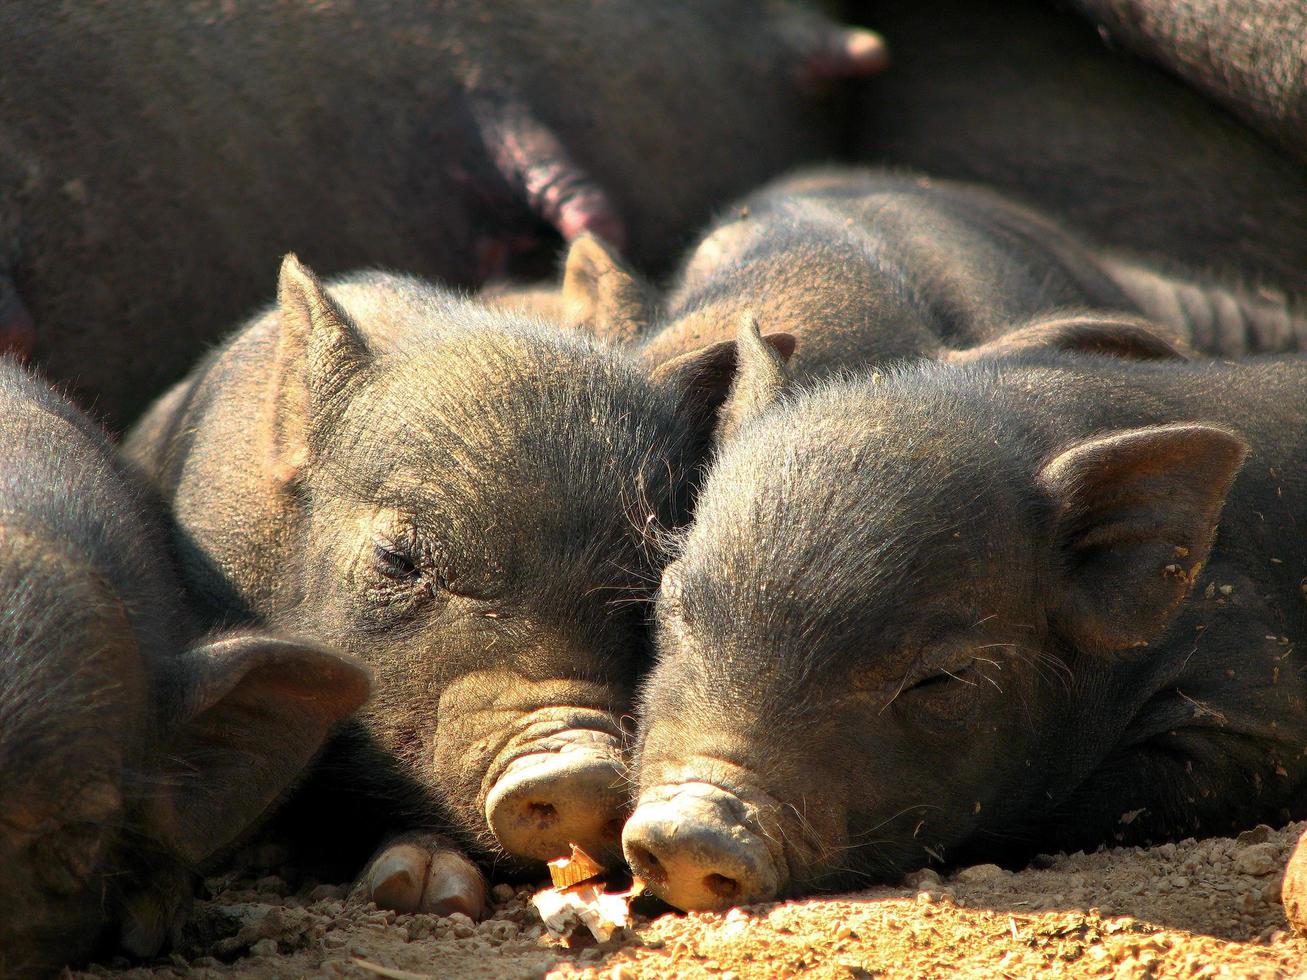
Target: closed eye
<point>931,682</point>
<point>394,564</point>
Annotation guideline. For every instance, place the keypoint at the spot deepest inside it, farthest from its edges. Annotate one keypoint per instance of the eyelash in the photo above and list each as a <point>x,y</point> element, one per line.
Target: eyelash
<point>395,564</point>
<point>941,677</point>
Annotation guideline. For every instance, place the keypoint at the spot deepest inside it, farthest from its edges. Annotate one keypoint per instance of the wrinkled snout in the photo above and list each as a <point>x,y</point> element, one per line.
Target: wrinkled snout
<point>573,794</point>
<point>695,848</point>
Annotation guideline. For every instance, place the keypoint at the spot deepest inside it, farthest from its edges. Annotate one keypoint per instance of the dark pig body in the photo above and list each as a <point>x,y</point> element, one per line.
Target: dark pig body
<point>157,157</point>
<point>1027,99</point>
<point>131,748</point>
<point>1245,54</point>
<point>966,613</point>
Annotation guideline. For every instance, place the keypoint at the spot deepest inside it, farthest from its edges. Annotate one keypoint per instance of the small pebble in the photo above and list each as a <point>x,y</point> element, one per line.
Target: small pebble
<point>264,947</point>
<point>1256,835</point>
<point>322,893</point>
<point>1257,859</point>
<point>922,879</point>
<point>980,872</point>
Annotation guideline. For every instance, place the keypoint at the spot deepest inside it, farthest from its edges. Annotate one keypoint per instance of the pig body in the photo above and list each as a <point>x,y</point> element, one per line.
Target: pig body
<point>866,266</point>
<point>965,613</point>
<point>1245,54</point>
<point>465,497</point>
<point>199,141</point>
<point>1027,99</point>
<point>123,732</point>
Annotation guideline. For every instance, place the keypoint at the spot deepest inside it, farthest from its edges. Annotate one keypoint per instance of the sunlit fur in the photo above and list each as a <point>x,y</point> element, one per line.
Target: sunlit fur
<point>870,534</point>
<point>526,469</point>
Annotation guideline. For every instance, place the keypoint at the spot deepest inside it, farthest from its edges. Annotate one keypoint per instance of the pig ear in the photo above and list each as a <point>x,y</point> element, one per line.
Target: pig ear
<point>247,713</point>
<point>1136,514</point>
<point>703,379</point>
<point>1124,337</point>
<point>600,295</point>
<point>319,351</point>
<point>760,376</point>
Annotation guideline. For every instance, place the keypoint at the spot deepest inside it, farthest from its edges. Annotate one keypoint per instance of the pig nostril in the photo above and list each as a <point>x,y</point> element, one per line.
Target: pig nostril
<point>542,813</point>
<point>721,886</point>
<point>648,866</point>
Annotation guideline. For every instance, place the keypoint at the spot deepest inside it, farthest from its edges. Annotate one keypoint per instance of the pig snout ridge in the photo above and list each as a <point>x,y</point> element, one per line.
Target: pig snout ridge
<point>546,801</point>
<point>696,851</point>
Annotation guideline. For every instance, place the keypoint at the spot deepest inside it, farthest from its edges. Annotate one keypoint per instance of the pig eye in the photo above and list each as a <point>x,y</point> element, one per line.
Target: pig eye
<point>927,684</point>
<point>959,673</point>
<point>394,564</point>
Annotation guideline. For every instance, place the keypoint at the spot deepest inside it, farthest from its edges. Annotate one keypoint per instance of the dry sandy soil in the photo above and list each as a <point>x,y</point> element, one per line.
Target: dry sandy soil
<point>1204,909</point>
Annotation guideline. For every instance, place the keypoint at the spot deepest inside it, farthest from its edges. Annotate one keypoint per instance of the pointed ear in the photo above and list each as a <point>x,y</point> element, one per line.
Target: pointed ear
<point>601,295</point>
<point>319,350</point>
<point>247,713</point>
<point>705,378</point>
<point>760,376</point>
<point>1136,514</point>
<point>1125,337</point>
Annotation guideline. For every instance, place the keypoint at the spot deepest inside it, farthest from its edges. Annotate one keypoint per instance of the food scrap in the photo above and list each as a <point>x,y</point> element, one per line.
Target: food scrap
<point>578,899</point>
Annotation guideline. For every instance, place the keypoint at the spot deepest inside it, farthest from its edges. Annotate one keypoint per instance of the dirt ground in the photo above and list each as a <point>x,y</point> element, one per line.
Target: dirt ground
<point>1204,909</point>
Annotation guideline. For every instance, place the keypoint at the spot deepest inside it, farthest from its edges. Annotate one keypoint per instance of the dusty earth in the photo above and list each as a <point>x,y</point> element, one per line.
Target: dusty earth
<point>1194,909</point>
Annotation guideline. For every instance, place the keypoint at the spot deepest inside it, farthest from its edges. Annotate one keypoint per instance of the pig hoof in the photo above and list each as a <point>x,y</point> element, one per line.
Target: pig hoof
<point>1294,891</point>
<point>411,877</point>
<point>828,52</point>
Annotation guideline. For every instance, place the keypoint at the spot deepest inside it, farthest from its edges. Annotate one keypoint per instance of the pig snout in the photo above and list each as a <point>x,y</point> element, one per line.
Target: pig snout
<point>571,793</point>
<point>695,849</point>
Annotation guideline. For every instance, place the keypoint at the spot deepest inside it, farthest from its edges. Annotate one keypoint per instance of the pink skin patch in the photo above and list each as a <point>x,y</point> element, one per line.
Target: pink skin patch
<point>17,328</point>
<point>536,162</point>
<point>569,200</point>
<point>843,53</point>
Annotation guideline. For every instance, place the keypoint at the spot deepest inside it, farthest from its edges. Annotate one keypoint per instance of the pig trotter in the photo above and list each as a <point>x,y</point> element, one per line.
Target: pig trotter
<point>17,329</point>
<point>828,51</point>
<point>1294,891</point>
<point>424,873</point>
<point>537,165</point>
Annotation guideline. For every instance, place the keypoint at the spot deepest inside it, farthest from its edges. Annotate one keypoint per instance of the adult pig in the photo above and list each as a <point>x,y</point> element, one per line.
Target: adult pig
<point>1026,98</point>
<point>466,498</point>
<point>156,158</point>
<point>865,266</point>
<point>131,747</point>
<point>965,612</point>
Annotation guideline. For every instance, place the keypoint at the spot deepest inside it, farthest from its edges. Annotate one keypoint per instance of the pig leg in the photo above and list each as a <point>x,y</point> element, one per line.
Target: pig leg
<point>538,167</point>
<point>1294,891</point>
<point>423,872</point>
<point>824,52</point>
<point>1215,319</point>
<point>17,329</point>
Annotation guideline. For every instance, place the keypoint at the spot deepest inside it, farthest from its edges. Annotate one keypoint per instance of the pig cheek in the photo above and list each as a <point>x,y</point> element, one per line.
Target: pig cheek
<point>45,926</point>
<point>402,713</point>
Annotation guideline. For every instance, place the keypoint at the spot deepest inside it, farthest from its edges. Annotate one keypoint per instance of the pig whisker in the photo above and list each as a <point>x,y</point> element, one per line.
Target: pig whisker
<point>962,679</point>
<point>893,817</point>
<point>903,682</point>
